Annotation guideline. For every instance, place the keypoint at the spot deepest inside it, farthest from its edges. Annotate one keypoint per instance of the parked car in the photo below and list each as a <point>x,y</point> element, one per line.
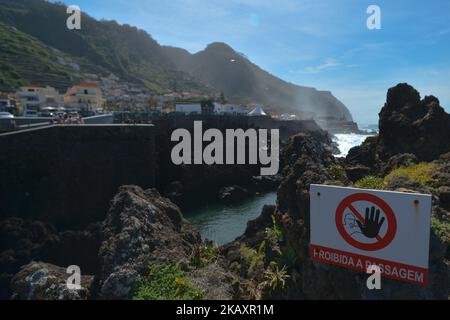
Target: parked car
<point>48,112</point>
<point>6,115</point>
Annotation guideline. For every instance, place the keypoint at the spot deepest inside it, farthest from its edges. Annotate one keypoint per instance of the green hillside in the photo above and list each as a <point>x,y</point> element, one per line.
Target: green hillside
<point>36,39</point>
<point>105,47</point>
<point>25,60</point>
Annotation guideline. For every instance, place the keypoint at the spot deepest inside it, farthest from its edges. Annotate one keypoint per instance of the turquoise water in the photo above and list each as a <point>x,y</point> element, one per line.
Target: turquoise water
<point>223,223</point>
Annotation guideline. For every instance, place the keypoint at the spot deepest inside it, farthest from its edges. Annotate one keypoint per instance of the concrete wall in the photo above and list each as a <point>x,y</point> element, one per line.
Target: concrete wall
<point>23,123</point>
<point>335,126</point>
<point>20,123</point>
<point>100,119</point>
<point>173,121</point>
<point>68,174</point>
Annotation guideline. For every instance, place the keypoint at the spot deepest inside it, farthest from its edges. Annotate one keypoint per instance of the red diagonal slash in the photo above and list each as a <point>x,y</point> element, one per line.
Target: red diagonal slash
<point>361,219</point>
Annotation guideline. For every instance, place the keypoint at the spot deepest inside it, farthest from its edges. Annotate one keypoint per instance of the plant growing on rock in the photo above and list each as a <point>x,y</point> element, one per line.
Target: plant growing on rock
<point>204,254</point>
<point>274,278</point>
<point>166,282</point>
<point>442,230</point>
<point>253,259</point>
<point>420,173</point>
<point>274,236</point>
<point>337,172</point>
<point>371,182</point>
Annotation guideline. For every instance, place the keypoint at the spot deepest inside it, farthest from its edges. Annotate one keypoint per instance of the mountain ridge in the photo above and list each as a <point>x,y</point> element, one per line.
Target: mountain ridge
<point>219,64</point>
<point>104,47</point>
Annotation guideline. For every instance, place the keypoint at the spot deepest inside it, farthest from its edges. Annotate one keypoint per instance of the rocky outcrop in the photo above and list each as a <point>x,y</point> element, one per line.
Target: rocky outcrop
<point>441,177</point>
<point>214,281</point>
<point>141,228</point>
<point>265,183</point>
<point>22,241</point>
<point>307,162</point>
<point>408,124</point>
<point>411,125</point>
<point>233,193</point>
<point>398,161</point>
<point>44,281</point>
<point>357,172</point>
<point>196,184</point>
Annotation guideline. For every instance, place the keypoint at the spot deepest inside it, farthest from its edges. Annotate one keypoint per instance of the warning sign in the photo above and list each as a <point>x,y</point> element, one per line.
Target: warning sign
<point>356,228</point>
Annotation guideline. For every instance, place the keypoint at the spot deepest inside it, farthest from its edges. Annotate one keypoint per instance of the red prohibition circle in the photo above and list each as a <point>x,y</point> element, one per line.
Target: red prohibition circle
<point>392,222</point>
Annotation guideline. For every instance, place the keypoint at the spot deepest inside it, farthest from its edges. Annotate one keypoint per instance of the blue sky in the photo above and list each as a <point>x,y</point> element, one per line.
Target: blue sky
<point>320,43</point>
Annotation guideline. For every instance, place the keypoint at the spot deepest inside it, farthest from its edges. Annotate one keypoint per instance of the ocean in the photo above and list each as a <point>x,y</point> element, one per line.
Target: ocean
<point>346,141</point>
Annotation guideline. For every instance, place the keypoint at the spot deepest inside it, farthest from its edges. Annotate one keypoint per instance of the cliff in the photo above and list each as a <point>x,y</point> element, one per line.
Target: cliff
<point>408,124</point>
<point>242,81</point>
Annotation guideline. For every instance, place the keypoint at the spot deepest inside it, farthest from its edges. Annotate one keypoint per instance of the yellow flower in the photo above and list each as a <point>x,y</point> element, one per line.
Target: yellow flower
<point>180,281</point>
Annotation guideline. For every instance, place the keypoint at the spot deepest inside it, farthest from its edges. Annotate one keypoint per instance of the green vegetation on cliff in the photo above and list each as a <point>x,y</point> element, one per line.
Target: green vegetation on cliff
<point>420,173</point>
<point>371,182</point>
<point>100,47</point>
<point>25,60</point>
<point>106,47</point>
<point>166,282</point>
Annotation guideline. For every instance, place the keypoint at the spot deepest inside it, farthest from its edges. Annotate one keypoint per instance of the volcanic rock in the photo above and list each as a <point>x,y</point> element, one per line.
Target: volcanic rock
<point>233,194</point>
<point>357,172</point>
<point>44,281</point>
<point>141,228</point>
<point>308,163</point>
<point>407,125</point>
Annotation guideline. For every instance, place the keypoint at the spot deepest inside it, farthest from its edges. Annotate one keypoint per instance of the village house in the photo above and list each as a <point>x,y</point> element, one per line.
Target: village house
<point>7,103</point>
<point>33,99</point>
<point>85,97</point>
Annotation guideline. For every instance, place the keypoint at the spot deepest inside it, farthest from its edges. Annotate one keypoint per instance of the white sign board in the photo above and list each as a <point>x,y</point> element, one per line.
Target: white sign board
<point>356,228</point>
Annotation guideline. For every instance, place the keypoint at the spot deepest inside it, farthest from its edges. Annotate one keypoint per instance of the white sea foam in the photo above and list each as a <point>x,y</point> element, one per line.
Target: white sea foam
<point>346,141</point>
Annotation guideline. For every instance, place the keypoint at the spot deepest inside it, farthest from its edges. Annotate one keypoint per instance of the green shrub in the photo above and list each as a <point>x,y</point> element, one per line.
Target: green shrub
<point>420,173</point>
<point>274,278</point>
<point>274,235</point>
<point>442,230</point>
<point>204,254</point>
<point>253,259</point>
<point>337,172</point>
<point>166,282</point>
<point>370,182</point>
<point>235,266</point>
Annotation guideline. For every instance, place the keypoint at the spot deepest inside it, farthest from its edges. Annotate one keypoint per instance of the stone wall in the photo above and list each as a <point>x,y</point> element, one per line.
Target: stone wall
<point>68,174</point>
<point>100,119</point>
<point>23,123</point>
<point>172,121</point>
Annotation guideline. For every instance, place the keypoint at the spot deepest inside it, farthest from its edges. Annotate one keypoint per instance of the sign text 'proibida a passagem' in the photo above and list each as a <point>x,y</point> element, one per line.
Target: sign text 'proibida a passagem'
<point>357,228</point>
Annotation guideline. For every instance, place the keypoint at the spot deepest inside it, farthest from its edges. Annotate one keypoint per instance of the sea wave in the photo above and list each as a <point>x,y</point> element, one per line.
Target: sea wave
<point>346,141</point>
